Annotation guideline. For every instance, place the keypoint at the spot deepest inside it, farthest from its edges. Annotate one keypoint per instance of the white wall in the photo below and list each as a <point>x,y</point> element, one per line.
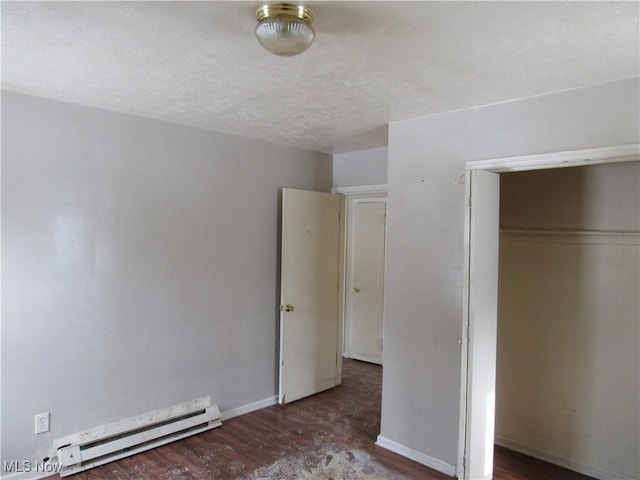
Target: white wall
<point>140,266</point>
<point>568,324</point>
<point>423,296</point>
<point>362,167</point>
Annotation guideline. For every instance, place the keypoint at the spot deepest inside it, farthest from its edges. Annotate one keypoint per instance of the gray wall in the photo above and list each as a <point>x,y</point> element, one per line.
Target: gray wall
<point>423,294</point>
<point>362,167</point>
<point>140,266</point>
<point>568,317</point>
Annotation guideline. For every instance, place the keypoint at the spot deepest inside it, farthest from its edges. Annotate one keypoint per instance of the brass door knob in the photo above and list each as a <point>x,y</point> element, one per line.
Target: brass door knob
<point>356,289</point>
<point>286,308</point>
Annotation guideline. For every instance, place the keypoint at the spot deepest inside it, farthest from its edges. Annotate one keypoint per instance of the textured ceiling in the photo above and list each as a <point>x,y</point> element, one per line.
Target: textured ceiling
<point>198,63</point>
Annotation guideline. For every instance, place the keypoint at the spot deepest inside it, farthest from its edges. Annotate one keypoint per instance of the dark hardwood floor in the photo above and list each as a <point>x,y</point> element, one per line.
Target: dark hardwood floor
<point>510,465</point>
<point>328,436</point>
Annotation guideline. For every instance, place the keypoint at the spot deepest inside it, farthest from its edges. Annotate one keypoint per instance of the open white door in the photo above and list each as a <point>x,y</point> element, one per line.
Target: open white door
<point>483,321</point>
<point>309,324</point>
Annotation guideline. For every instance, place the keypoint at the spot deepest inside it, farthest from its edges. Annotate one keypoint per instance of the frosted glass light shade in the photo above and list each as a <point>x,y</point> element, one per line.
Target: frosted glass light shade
<point>285,29</point>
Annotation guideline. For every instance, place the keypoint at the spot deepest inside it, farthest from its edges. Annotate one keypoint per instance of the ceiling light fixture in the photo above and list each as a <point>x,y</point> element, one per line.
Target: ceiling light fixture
<point>284,28</point>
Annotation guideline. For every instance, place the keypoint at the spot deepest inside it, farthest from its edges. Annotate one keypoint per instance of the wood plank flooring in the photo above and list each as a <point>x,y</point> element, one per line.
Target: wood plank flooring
<point>304,440</point>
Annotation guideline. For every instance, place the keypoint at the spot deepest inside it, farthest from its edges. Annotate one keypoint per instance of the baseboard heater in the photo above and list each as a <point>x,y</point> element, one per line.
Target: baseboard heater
<point>113,441</point>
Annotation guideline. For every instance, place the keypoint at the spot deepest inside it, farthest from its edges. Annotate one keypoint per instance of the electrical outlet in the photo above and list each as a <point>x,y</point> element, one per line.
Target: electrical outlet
<point>42,422</point>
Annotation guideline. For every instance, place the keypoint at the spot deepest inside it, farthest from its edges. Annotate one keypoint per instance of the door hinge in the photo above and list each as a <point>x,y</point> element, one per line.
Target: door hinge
<point>469,202</point>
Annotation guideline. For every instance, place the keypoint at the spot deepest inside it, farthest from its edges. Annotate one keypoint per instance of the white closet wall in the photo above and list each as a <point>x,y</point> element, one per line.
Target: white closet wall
<point>568,328</point>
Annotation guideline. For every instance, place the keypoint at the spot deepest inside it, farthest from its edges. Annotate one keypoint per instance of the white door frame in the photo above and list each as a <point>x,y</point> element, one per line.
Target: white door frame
<point>353,195</point>
<point>573,158</point>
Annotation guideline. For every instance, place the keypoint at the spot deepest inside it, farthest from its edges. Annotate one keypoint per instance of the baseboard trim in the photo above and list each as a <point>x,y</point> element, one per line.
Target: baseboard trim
<point>251,407</point>
<point>560,461</point>
<point>423,458</point>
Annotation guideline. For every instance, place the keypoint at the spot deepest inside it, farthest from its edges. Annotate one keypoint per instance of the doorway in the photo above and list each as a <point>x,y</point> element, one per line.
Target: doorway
<point>568,315</point>
<point>363,279</point>
<point>477,401</point>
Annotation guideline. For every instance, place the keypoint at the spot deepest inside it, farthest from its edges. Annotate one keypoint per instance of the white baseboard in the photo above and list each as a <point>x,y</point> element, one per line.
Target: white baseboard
<point>251,407</point>
<point>419,457</point>
<point>560,461</point>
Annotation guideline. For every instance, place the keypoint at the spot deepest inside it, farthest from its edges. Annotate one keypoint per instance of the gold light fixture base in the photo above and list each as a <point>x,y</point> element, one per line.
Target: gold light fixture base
<point>287,9</point>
